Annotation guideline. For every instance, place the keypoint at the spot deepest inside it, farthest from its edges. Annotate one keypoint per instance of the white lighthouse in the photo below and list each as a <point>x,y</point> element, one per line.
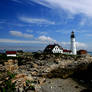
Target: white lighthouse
<point>73,43</point>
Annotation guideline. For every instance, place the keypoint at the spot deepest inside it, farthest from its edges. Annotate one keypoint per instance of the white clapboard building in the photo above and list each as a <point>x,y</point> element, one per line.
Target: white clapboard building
<point>11,53</point>
<point>53,48</point>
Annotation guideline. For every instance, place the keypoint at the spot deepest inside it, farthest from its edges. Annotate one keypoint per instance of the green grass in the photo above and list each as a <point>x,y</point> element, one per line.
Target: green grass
<point>7,85</point>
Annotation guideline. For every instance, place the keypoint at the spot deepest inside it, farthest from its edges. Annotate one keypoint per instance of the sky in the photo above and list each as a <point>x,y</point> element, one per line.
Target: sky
<point>33,24</point>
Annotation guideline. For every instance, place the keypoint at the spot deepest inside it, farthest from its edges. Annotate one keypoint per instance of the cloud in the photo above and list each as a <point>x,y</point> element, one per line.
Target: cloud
<point>17,1</point>
<point>17,24</point>
<point>83,21</point>
<point>20,34</point>
<point>64,31</point>
<point>45,41</point>
<point>36,20</point>
<point>72,6</point>
<point>46,38</point>
<point>38,41</point>
<point>43,33</point>
<point>13,23</point>
<point>78,44</point>
<point>45,3</point>
<point>29,31</point>
<point>65,43</point>
<point>67,32</point>
<point>89,35</point>
<point>21,41</point>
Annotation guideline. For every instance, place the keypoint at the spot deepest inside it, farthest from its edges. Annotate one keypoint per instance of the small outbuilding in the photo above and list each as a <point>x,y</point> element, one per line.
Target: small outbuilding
<point>11,53</point>
<point>65,51</point>
<point>81,52</point>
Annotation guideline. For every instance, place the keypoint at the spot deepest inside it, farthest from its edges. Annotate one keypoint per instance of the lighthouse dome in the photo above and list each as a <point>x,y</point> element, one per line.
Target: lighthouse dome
<point>72,35</point>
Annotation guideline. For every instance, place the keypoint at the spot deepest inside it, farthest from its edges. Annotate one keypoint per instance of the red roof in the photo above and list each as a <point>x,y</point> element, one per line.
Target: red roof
<point>10,52</point>
<point>82,52</point>
<point>65,50</point>
<point>50,46</point>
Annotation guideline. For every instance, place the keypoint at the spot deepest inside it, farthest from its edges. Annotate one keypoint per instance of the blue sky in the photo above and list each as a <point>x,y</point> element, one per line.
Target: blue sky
<point>35,23</point>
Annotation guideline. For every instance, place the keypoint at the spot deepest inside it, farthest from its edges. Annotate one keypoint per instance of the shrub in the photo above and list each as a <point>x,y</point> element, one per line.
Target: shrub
<point>7,85</point>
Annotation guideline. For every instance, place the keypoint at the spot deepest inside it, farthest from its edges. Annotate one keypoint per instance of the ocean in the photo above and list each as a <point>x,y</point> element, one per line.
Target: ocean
<point>90,53</point>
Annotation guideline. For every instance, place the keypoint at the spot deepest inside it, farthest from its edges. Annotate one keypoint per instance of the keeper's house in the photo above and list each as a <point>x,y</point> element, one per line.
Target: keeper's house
<point>54,48</point>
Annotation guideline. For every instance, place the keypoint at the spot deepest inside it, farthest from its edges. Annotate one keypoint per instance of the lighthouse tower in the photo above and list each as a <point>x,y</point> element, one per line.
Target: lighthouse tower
<point>73,43</point>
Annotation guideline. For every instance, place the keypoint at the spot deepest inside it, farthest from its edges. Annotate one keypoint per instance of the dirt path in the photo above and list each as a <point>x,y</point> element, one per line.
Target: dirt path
<point>61,85</point>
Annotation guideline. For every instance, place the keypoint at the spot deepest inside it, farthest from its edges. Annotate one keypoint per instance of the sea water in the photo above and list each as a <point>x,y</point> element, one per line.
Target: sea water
<point>90,53</point>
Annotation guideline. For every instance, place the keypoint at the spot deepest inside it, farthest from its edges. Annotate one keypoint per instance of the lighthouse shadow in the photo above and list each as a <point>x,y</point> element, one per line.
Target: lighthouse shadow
<point>84,78</point>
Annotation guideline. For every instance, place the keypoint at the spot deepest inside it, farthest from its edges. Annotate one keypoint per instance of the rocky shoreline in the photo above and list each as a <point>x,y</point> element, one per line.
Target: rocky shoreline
<point>30,73</point>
